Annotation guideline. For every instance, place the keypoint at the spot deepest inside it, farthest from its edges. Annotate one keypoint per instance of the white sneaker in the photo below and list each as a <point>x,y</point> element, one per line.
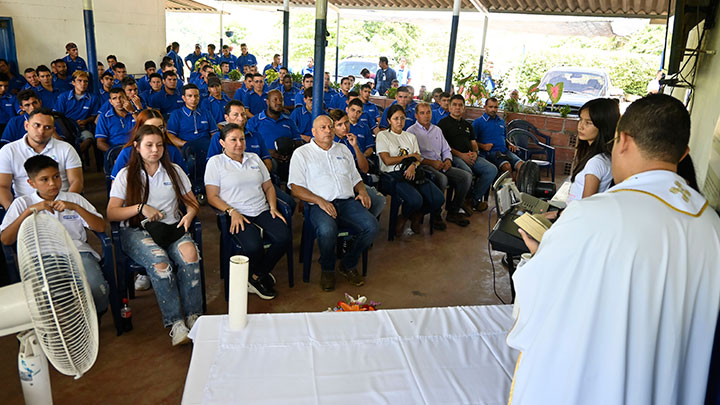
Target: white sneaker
<point>142,283</point>
<point>179,334</point>
<point>190,320</point>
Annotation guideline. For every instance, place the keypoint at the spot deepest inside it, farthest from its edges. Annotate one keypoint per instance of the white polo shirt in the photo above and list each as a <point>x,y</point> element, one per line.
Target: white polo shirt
<point>162,195</point>
<point>240,183</point>
<point>14,155</point>
<point>330,174</point>
<point>71,220</point>
<point>401,144</point>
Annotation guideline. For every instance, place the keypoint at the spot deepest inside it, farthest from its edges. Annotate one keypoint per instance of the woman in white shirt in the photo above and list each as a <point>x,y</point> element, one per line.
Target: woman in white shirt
<point>150,188</point>
<point>238,183</point>
<point>591,172</point>
<point>394,145</point>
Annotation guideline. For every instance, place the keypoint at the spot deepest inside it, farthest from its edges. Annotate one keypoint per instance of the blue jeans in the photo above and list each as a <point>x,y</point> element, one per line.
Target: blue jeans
<point>98,284</point>
<point>286,198</point>
<point>252,244</point>
<point>377,201</point>
<point>176,293</point>
<point>509,158</point>
<point>484,172</point>
<point>415,196</point>
<point>350,214</point>
<point>195,153</point>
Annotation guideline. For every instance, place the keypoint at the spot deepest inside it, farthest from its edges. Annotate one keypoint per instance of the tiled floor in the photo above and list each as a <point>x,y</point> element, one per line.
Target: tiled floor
<point>141,367</point>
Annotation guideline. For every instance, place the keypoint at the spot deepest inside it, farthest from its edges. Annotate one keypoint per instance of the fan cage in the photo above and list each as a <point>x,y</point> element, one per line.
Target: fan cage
<point>58,294</point>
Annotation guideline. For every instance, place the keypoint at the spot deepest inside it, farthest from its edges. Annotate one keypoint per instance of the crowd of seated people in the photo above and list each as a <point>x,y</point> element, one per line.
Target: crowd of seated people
<point>178,136</point>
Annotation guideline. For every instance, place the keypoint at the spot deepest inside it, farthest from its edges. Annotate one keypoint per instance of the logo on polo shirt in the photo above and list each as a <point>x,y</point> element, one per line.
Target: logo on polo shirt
<point>203,122</point>
<point>167,183</point>
<point>86,107</point>
<point>255,167</point>
<point>75,216</point>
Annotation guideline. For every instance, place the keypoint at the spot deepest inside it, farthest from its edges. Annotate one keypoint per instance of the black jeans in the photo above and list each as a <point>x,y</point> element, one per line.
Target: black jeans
<point>275,231</point>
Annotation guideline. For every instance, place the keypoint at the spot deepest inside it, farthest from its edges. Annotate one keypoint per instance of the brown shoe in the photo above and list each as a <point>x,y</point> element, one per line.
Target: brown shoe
<point>467,207</point>
<point>438,224</point>
<point>327,280</point>
<point>457,219</point>
<point>480,206</point>
<point>352,276</point>
<point>415,223</point>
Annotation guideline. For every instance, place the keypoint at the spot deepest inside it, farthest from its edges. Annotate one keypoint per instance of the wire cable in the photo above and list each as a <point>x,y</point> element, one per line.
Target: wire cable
<point>492,262</point>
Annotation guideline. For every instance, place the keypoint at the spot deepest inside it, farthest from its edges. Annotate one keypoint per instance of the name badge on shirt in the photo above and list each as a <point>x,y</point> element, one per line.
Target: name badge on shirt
<point>167,183</point>
<point>86,108</point>
<point>75,216</point>
<point>203,122</point>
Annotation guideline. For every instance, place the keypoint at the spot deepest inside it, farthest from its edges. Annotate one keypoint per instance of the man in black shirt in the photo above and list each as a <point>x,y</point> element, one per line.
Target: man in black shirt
<point>459,135</point>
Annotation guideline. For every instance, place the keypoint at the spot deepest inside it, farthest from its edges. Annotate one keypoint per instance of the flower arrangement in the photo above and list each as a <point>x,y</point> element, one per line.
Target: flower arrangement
<point>352,304</point>
<point>474,92</point>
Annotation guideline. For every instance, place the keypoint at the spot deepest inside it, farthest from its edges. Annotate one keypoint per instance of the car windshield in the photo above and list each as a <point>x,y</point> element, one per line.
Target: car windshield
<point>354,68</point>
<point>575,82</point>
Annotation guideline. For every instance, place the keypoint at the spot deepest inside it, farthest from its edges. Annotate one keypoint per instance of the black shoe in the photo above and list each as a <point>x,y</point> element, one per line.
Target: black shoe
<point>269,280</point>
<point>438,223</point>
<point>457,219</point>
<point>327,280</point>
<point>262,289</point>
<point>352,276</point>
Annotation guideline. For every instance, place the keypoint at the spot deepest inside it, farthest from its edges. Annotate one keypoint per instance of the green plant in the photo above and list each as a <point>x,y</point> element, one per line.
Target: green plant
<point>296,77</point>
<point>271,75</point>
<point>511,105</point>
<point>564,111</point>
<point>474,92</point>
<point>392,91</point>
<point>235,75</point>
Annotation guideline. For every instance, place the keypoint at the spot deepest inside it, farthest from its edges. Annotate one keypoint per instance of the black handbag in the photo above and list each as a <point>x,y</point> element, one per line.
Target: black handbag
<point>420,174</point>
<point>164,234</point>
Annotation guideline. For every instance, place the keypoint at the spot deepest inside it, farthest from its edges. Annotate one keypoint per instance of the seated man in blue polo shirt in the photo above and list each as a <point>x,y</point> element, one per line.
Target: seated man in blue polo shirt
<point>216,101</point>
<point>402,98</point>
<point>340,100</point>
<point>441,111</point>
<point>7,102</point>
<point>143,83</point>
<point>202,81</point>
<point>115,125</point>
<point>15,128</point>
<point>244,88</point>
<point>370,110</point>
<point>129,86</point>
<point>278,83</point>
<point>225,70</point>
<point>106,83</point>
<point>119,71</point>
<point>17,82</point>
<point>436,99</point>
<point>155,81</point>
<point>302,115</point>
<point>73,61</point>
<point>168,99</point>
<point>255,101</point>
<point>32,81</point>
<point>274,65</point>
<point>228,57</point>
<point>61,79</point>
<point>490,133</point>
<point>49,94</point>
<point>289,92</point>
<point>307,82</point>
<point>191,127</point>
<point>80,106</point>
<point>272,125</point>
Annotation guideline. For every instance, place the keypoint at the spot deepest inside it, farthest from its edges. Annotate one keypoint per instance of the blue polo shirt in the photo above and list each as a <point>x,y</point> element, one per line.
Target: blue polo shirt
<point>230,59</point>
<point>215,59</point>
<point>114,128</point>
<point>103,97</point>
<point>107,106</point>
<point>147,95</point>
<point>383,80</point>
<point>302,119</point>
<point>270,66</point>
<point>364,135</point>
<point>143,84</point>
<point>490,130</point>
<point>270,129</point>
<point>202,87</point>
<point>253,143</point>
<point>300,98</point>
<point>434,106</point>
<point>17,83</point>
<point>409,117</point>
<point>438,114</point>
<point>73,65</point>
<point>47,98</point>
<point>216,107</point>
<point>7,107</point>
<point>15,128</point>
<point>124,157</point>
<point>370,110</point>
<point>62,84</point>
<point>193,59</point>
<point>76,109</point>
<point>289,96</point>
<point>190,125</point>
<point>240,93</point>
<point>344,141</point>
<point>339,101</point>
<point>178,61</point>
<point>243,60</point>
<point>254,102</point>
<point>166,103</point>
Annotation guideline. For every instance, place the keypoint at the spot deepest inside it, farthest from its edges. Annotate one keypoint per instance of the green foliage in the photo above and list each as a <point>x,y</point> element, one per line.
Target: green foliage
<point>235,75</point>
<point>271,75</point>
<point>564,111</point>
<point>296,77</point>
<point>392,91</point>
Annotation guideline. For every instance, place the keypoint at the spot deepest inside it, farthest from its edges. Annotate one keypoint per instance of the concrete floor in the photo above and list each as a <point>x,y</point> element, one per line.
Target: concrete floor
<point>141,367</point>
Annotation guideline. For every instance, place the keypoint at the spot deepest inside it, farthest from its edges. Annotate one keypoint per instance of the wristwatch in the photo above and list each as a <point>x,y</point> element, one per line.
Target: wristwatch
<point>229,211</point>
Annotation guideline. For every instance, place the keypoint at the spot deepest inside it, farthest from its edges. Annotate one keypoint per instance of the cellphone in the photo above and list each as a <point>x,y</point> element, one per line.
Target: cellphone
<point>143,222</point>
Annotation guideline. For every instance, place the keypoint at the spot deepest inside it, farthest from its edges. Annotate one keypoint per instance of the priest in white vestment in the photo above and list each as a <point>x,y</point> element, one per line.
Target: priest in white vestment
<point>618,304</point>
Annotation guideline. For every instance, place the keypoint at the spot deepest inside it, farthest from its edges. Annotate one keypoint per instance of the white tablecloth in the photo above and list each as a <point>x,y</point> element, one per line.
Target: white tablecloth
<point>409,356</point>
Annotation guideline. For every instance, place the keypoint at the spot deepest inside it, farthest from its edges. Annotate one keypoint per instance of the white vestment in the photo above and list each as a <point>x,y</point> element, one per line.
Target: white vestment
<point>620,302</point>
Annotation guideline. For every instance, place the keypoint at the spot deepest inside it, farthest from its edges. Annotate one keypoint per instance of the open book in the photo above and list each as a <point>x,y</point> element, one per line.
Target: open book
<point>533,225</point>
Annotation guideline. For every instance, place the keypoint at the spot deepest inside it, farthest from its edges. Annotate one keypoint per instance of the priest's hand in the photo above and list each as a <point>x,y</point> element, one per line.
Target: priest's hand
<point>531,243</point>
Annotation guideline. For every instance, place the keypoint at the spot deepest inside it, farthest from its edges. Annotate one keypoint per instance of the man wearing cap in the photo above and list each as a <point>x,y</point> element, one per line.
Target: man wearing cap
<point>73,60</point>
<point>192,58</point>
<point>216,101</point>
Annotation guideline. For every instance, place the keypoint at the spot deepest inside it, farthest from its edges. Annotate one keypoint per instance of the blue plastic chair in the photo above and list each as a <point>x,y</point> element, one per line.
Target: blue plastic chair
<point>109,163</point>
<point>307,243</point>
<point>228,246</point>
<point>126,267</point>
<point>529,146</point>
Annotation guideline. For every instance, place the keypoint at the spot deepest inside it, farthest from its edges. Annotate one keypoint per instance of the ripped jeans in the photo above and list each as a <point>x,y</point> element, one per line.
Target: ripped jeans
<point>98,284</point>
<point>176,293</point>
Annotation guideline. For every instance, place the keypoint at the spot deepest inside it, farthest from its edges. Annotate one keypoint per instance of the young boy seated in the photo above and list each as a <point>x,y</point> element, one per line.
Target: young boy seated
<point>71,209</point>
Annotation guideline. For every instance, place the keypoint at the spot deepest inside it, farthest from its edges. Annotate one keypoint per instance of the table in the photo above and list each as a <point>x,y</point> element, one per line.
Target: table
<point>406,356</point>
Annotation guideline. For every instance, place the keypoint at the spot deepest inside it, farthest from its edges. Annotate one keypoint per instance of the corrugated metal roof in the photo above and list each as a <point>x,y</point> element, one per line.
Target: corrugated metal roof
<point>609,8</point>
<point>189,6</point>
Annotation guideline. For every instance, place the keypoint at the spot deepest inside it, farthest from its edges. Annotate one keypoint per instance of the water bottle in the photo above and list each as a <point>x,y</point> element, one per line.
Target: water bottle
<point>126,315</point>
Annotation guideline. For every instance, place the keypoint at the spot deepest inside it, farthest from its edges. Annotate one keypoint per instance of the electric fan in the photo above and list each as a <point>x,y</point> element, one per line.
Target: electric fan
<point>52,306</point>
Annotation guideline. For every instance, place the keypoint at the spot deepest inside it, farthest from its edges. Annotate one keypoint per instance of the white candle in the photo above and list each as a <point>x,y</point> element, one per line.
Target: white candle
<point>237,307</point>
